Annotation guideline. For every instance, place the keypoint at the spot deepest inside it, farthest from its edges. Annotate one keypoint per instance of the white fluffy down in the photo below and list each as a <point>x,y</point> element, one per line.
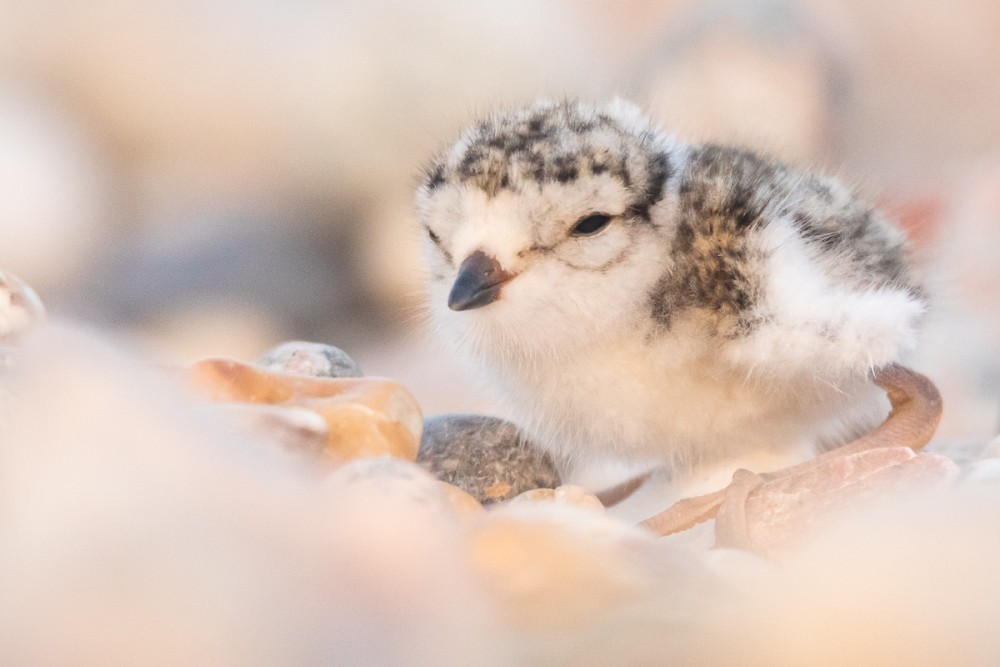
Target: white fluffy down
<point>818,327</point>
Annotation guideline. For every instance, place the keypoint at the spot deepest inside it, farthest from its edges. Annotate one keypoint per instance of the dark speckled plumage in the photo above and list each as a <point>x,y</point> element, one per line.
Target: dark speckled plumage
<point>555,144</point>
<point>726,196</point>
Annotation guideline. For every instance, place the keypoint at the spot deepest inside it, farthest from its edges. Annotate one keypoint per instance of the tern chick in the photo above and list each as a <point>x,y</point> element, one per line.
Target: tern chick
<point>643,300</point>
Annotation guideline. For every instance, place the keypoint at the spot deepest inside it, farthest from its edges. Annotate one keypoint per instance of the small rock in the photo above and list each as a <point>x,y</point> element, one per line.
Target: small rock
<point>312,359</point>
<point>487,457</point>
<point>567,494</point>
<point>20,307</point>
<point>560,568</point>
<point>462,502</point>
<point>385,481</point>
<point>364,416</point>
<point>387,478</point>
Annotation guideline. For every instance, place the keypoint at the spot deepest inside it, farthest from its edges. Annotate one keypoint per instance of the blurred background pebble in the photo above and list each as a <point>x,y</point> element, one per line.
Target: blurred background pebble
<point>211,177</point>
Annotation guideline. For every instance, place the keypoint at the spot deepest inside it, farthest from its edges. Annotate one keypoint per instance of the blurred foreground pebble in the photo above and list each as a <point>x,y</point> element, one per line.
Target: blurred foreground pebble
<point>20,307</point>
<point>394,478</point>
<point>486,456</point>
<point>149,536</point>
<point>148,523</point>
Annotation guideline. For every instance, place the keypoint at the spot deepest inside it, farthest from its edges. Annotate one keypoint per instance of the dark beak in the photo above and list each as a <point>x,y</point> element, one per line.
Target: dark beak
<point>480,279</point>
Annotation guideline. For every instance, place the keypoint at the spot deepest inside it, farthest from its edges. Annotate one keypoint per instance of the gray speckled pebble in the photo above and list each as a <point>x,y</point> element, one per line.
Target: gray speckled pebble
<point>312,359</point>
<point>485,456</point>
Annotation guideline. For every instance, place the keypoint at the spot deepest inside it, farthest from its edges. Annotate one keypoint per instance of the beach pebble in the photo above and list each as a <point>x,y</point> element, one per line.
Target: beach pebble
<point>559,568</point>
<point>20,307</point>
<point>296,429</point>
<point>567,494</point>
<point>312,359</point>
<point>364,416</point>
<point>383,481</point>
<point>386,477</point>
<point>487,457</point>
<point>461,501</point>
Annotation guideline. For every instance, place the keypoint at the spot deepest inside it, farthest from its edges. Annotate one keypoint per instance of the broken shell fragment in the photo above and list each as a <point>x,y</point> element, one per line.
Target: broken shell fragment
<point>773,516</point>
<point>883,454</point>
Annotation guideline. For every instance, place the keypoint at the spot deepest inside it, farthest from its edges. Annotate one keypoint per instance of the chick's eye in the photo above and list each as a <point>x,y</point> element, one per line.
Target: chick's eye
<point>433,237</point>
<point>590,224</point>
